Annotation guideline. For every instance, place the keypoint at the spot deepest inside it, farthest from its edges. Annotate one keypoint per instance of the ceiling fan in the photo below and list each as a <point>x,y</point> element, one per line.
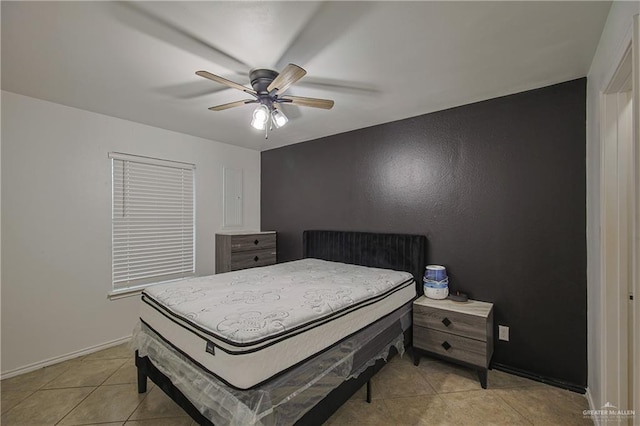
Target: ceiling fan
<point>268,91</point>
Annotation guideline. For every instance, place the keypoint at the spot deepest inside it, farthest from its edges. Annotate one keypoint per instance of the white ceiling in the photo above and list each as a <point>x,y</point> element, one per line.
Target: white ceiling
<point>379,61</point>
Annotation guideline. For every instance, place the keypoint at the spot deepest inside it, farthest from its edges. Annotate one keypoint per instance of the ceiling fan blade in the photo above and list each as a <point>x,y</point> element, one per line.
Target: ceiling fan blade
<point>226,82</point>
<point>309,102</point>
<point>191,89</point>
<point>330,21</point>
<point>232,104</point>
<point>137,15</point>
<point>289,75</point>
<point>341,86</point>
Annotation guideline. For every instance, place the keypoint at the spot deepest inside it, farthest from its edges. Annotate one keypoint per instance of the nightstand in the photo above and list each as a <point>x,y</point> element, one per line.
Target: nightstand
<point>460,332</point>
<point>242,250</point>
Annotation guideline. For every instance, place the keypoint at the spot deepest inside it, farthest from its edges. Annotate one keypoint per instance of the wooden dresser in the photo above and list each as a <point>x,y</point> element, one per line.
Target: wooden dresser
<point>460,332</point>
<point>241,250</point>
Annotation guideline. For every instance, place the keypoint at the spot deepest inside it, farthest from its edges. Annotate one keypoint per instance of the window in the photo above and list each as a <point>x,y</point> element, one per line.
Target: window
<point>153,238</point>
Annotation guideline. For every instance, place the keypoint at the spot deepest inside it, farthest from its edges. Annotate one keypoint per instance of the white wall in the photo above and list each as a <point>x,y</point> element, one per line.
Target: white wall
<point>608,54</point>
<point>56,222</point>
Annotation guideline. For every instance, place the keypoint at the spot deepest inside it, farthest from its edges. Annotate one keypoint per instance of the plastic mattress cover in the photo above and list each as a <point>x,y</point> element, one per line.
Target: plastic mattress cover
<point>280,401</point>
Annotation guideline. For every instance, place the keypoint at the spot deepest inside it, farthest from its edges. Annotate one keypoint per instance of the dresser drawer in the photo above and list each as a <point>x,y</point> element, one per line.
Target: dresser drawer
<point>450,345</point>
<point>448,321</point>
<point>253,258</point>
<point>252,242</point>
<point>243,250</point>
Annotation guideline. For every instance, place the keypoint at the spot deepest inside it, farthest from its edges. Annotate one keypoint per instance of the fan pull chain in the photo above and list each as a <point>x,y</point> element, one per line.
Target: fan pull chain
<point>267,128</point>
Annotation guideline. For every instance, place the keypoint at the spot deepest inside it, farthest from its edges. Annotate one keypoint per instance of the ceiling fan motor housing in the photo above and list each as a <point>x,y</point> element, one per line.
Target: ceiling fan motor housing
<point>261,79</point>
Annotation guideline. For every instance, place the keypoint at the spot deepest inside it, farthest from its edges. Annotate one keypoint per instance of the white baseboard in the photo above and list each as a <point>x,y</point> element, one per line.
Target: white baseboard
<point>596,419</point>
<point>56,360</point>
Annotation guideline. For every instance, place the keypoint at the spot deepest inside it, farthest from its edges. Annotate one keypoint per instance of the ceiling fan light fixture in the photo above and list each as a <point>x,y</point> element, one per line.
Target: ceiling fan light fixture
<point>268,86</point>
<point>278,118</point>
<point>260,117</point>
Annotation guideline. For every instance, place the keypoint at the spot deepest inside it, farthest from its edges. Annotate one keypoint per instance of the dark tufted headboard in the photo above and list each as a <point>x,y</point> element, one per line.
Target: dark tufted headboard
<point>401,252</point>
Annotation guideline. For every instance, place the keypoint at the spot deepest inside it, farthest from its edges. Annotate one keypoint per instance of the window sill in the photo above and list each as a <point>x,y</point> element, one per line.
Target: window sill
<point>129,292</point>
<point>137,290</point>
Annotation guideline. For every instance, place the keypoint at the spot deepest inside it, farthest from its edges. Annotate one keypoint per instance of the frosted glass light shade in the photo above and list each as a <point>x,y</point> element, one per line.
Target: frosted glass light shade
<point>260,117</point>
<point>279,119</point>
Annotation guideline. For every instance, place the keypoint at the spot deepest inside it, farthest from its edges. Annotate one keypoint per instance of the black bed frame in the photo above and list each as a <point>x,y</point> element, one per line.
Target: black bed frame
<point>392,251</point>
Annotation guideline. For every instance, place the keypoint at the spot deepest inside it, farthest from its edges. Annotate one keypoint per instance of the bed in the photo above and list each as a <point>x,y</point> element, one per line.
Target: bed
<point>258,347</point>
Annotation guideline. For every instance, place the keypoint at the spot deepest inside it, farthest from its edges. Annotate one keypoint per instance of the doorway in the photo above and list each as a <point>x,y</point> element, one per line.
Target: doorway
<point>619,227</point>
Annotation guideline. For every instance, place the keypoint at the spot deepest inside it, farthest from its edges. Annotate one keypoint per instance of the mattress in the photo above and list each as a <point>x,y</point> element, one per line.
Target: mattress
<point>245,327</point>
<point>289,396</point>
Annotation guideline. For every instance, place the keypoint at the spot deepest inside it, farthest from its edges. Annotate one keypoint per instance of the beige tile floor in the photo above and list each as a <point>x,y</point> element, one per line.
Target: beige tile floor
<point>100,389</point>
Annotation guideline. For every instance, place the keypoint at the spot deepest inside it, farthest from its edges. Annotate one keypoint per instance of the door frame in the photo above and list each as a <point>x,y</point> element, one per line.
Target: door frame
<point>635,246</point>
<point>620,350</point>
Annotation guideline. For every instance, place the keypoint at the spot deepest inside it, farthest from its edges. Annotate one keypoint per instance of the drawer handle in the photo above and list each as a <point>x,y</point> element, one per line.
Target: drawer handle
<point>446,322</point>
<point>256,242</point>
<point>446,345</point>
<point>255,259</point>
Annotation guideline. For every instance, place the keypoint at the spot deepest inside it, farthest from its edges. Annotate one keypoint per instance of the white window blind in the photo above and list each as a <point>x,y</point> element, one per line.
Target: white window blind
<point>153,236</point>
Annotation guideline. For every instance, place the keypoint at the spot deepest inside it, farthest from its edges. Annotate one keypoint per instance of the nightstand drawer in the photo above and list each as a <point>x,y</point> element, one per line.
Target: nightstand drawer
<point>252,242</point>
<point>460,348</point>
<point>250,259</point>
<point>458,323</point>
<point>458,332</point>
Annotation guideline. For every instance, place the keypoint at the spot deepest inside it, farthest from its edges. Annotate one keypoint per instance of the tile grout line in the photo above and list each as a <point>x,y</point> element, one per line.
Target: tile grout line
<point>441,392</point>
<point>90,393</point>
<point>21,401</point>
<point>422,375</point>
<point>143,399</point>
<point>76,406</point>
<point>40,388</point>
<point>425,376</point>
<point>146,395</point>
<point>514,408</point>
<point>410,397</point>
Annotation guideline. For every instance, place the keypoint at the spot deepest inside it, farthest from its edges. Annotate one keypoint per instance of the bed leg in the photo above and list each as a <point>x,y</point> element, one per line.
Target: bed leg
<point>142,381</point>
<point>369,391</point>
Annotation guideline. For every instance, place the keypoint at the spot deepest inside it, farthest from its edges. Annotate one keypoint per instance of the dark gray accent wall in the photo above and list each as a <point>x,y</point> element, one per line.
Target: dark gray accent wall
<point>498,187</point>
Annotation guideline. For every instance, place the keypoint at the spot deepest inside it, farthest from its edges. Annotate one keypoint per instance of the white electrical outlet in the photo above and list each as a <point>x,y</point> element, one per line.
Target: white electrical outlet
<point>503,333</point>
